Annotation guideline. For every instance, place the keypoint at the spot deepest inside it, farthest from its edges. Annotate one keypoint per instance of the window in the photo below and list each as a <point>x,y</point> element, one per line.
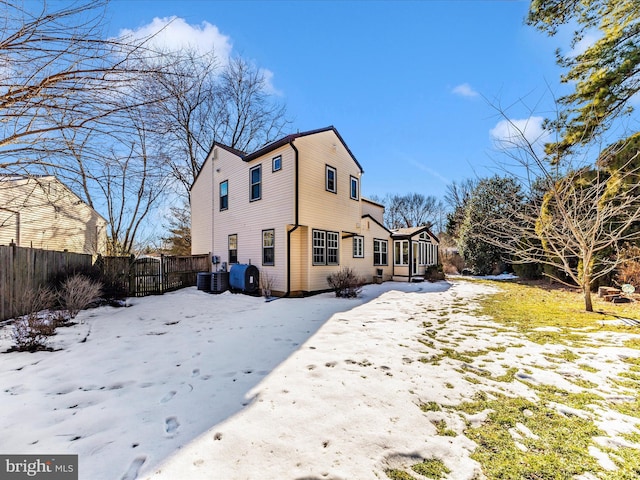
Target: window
<point>424,253</point>
<point>380,252</point>
<point>276,163</point>
<point>358,247</point>
<point>268,242</point>
<point>401,252</point>
<point>255,178</point>
<point>331,183</point>
<point>319,247</point>
<point>325,248</point>
<point>224,195</point>
<point>332,248</point>
<point>355,191</point>
<point>233,248</point>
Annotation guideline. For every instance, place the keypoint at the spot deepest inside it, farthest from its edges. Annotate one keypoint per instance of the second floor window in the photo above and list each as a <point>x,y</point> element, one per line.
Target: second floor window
<point>277,163</point>
<point>224,195</point>
<point>255,178</point>
<point>331,181</point>
<point>355,190</point>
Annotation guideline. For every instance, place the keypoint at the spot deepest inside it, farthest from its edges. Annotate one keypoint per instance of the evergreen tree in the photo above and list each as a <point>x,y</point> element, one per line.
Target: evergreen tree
<point>605,75</point>
<point>492,198</point>
<point>179,240</point>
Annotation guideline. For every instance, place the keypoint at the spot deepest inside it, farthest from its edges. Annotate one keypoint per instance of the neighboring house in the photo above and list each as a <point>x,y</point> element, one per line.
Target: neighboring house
<point>41,212</point>
<point>293,208</point>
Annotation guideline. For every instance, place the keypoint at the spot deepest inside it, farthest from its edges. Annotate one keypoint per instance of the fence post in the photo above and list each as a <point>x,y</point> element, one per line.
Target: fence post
<point>163,276</point>
<point>132,276</point>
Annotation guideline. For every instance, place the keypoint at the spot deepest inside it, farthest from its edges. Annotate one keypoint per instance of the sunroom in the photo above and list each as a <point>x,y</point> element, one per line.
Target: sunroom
<point>414,250</point>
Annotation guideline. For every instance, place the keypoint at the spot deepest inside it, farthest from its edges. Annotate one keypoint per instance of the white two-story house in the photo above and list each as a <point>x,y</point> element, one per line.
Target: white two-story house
<point>294,210</point>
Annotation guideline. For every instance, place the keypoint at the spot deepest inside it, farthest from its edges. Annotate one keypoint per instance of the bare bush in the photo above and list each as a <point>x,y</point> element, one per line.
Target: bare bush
<point>33,301</point>
<point>31,331</point>
<point>346,283</point>
<point>452,262</point>
<point>77,292</point>
<point>266,284</point>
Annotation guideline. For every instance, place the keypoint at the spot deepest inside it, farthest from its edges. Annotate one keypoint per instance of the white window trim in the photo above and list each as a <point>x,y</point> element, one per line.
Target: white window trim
<point>323,240</point>
<point>380,252</point>
<point>272,246</point>
<point>358,246</point>
<point>273,163</point>
<point>351,182</point>
<point>251,184</point>
<point>220,196</point>
<point>329,168</point>
<point>396,261</point>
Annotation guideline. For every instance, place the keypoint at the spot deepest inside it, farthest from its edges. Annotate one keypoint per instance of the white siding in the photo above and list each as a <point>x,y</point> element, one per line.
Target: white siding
<point>43,213</point>
<point>373,209</point>
<point>201,200</point>
<point>247,219</point>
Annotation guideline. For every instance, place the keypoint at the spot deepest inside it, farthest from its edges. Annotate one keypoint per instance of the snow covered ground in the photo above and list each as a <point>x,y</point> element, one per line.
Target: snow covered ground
<point>196,386</point>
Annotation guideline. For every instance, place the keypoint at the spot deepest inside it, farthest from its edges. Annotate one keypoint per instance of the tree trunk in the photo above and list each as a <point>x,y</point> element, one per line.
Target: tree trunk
<point>588,306</point>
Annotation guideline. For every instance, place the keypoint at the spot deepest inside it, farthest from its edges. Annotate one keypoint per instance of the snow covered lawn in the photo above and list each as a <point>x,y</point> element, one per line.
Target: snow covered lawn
<point>196,386</point>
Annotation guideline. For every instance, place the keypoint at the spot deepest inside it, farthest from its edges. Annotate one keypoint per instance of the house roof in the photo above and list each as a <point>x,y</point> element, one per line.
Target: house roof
<point>289,138</point>
<point>368,200</point>
<point>247,157</point>
<point>411,231</point>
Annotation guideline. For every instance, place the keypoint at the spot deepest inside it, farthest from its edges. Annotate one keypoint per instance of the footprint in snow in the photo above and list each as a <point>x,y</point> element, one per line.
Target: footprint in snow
<point>195,372</point>
<point>171,425</point>
<point>168,396</point>
<point>134,468</point>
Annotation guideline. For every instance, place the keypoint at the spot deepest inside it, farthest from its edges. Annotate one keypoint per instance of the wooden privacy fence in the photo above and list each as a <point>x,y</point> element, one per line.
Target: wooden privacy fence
<point>23,269</point>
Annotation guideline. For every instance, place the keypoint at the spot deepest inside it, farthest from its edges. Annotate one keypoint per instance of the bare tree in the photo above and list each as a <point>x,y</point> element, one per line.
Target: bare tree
<point>57,73</point>
<point>250,117</point>
<point>580,223</point>
<point>412,210</point>
<point>131,184</point>
<point>204,102</point>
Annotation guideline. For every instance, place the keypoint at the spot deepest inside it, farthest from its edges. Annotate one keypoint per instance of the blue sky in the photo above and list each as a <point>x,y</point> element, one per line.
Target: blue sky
<point>408,84</point>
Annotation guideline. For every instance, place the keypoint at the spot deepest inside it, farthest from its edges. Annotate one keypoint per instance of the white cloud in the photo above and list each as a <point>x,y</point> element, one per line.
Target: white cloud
<point>174,33</point>
<point>464,90</point>
<point>268,81</point>
<point>518,132</point>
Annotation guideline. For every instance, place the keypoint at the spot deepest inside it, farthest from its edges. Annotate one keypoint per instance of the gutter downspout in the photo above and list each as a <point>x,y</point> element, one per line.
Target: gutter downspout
<point>296,225</point>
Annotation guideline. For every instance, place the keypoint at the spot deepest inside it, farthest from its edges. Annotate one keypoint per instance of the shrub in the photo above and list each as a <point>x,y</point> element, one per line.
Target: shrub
<point>528,271</point>
<point>629,269</point>
<point>77,292</point>
<point>346,283</point>
<point>266,284</point>
<point>31,331</point>
<point>33,301</point>
<point>452,262</point>
<point>434,273</point>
